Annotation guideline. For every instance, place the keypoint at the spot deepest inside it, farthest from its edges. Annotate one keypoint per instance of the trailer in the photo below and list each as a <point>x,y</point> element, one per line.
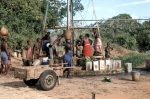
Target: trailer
<point>46,75</point>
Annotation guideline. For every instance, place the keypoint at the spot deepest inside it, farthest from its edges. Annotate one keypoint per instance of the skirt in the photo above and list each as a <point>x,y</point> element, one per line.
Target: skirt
<point>4,58</point>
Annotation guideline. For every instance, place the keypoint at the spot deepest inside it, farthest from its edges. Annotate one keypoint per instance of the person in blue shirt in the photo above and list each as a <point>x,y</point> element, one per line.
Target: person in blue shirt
<point>67,58</point>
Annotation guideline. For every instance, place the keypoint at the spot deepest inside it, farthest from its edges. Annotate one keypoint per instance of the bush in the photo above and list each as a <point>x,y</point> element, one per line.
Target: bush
<point>126,40</point>
<point>134,58</point>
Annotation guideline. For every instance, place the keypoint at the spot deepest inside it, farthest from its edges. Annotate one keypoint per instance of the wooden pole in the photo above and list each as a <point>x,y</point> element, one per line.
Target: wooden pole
<point>45,16</point>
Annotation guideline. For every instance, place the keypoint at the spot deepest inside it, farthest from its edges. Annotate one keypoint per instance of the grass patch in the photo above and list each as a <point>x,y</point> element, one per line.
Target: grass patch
<point>134,58</point>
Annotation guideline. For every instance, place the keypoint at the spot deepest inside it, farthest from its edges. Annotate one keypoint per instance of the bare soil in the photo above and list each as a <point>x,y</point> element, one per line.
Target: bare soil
<point>120,87</point>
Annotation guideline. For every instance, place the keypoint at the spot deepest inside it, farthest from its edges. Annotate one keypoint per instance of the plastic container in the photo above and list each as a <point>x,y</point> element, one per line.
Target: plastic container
<point>26,62</point>
<point>36,62</point>
<point>128,67</point>
<point>4,31</point>
<point>44,63</point>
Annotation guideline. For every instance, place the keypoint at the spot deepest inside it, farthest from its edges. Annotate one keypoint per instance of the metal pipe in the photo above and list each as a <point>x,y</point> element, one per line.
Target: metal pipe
<point>68,14</point>
<point>111,19</point>
<point>60,27</point>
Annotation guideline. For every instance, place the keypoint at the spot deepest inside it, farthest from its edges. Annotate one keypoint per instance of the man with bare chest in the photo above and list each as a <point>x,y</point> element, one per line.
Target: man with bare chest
<point>5,56</point>
<point>36,48</point>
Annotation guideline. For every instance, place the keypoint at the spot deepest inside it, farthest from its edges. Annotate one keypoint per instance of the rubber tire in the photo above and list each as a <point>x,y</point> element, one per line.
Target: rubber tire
<point>31,82</point>
<point>42,80</point>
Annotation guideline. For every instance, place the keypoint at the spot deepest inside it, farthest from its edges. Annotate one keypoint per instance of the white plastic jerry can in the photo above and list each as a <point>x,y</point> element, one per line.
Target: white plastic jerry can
<point>118,64</point>
<point>128,67</point>
<point>108,64</point>
<point>101,64</point>
<point>95,65</point>
<point>88,66</point>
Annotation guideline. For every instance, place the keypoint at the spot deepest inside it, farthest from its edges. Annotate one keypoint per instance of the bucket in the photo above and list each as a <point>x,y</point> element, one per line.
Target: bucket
<point>128,67</point>
<point>68,34</point>
<point>26,62</point>
<point>135,76</point>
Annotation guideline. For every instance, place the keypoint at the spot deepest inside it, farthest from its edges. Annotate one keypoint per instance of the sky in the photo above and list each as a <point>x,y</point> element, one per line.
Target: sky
<point>104,9</point>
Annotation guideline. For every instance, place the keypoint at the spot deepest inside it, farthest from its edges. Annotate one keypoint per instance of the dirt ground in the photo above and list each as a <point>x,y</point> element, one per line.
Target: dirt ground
<point>121,87</point>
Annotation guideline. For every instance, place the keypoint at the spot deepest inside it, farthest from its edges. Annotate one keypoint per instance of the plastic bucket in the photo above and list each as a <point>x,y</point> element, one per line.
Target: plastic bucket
<point>26,62</point>
<point>135,76</point>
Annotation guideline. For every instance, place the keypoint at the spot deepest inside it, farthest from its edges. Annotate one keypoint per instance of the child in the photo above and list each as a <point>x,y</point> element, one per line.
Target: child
<point>78,48</point>
<point>107,50</point>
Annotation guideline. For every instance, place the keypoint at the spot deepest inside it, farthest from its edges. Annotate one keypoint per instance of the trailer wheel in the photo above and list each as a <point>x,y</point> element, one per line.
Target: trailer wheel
<point>48,80</point>
<point>30,82</point>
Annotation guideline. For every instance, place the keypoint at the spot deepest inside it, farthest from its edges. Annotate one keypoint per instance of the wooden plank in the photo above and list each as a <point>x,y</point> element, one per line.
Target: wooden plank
<point>98,56</point>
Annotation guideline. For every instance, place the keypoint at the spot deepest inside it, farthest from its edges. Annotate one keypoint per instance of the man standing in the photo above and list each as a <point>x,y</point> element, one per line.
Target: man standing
<point>19,49</point>
<point>36,48</point>
<point>28,50</point>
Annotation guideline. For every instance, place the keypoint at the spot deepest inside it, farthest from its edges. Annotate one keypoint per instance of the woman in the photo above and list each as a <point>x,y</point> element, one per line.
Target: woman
<point>86,42</point>
<point>5,56</point>
<point>97,45</point>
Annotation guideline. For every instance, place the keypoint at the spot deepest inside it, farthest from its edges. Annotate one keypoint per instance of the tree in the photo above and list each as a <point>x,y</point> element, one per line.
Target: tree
<point>23,18</point>
<point>143,37</point>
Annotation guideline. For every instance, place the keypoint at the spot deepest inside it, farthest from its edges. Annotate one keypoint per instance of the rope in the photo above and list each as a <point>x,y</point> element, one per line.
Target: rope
<point>87,9</point>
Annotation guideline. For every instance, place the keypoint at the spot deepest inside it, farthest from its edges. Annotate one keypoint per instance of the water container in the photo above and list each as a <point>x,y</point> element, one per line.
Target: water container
<point>95,65</point>
<point>51,52</point>
<point>128,67</point>
<point>4,31</point>
<point>45,61</point>
<point>36,62</point>
<point>68,34</point>
<point>88,66</point>
<point>102,64</point>
<point>26,62</point>
<point>135,76</point>
<point>108,64</point>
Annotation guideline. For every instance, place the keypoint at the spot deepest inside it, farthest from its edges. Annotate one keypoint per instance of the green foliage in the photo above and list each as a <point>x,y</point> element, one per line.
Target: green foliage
<point>128,33</point>
<point>88,59</point>
<point>24,18</point>
<point>106,79</point>
<point>126,40</point>
<point>134,58</point>
<point>143,37</point>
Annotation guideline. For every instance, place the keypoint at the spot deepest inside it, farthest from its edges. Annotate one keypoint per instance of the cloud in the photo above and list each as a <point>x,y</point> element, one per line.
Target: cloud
<point>96,9</point>
<point>111,10</point>
<point>135,3</point>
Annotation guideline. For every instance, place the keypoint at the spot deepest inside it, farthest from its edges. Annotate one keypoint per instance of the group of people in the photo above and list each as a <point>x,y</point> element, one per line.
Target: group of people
<point>44,43</point>
<point>88,45</point>
<point>85,46</point>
